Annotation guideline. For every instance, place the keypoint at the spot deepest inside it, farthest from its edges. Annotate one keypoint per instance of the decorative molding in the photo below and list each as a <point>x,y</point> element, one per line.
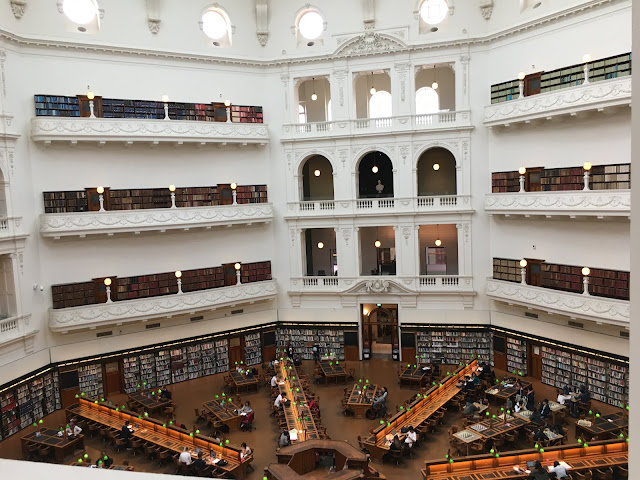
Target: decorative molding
<point>597,309</point>
<point>262,21</point>
<point>346,234</point>
<point>103,130</point>
<point>340,75</point>
<point>486,7</point>
<point>402,69</point>
<point>573,203</point>
<point>15,329</point>
<point>18,7</point>
<point>154,25</point>
<point>263,38</point>
<point>105,314</point>
<point>368,15</point>
<point>369,43</point>
<point>570,100</point>
<point>153,16</point>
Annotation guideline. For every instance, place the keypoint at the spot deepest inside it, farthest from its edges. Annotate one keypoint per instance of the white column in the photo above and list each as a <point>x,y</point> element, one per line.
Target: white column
<point>296,253</point>
<point>461,72</point>
<point>346,240</point>
<point>340,93</point>
<point>290,112</point>
<point>416,240</point>
<point>405,247</point>
<point>400,88</point>
<point>464,248</point>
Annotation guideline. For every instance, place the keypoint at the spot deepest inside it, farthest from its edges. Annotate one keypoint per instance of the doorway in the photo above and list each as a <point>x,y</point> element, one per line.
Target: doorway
<point>380,328</point>
<point>112,378</point>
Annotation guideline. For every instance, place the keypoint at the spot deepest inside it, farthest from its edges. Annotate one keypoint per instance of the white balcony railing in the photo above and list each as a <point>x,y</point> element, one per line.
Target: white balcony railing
<point>10,228</point>
<point>588,307</point>
<point>383,284</point>
<point>572,203</point>
<point>132,130</point>
<point>455,120</point>
<point>15,328</point>
<point>364,206</point>
<point>567,101</point>
<point>117,313</point>
<point>81,224</point>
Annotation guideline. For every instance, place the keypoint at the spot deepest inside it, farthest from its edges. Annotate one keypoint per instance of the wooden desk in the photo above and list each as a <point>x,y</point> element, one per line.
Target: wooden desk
<point>60,445</point>
<point>333,370</point>
<point>467,437</point>
<point>226,414</point>
<point>361,398</point>
<point>484,467</point>
<point>151,403</point>
<point>604,425</point>
<point>415,375</point>
<point>297,413</point>
<point>557,410</point>
<point>419,411</point>
<point>493,427</point>
<point>242,381</point>
<point>503,393</point>
<point>171,438</point>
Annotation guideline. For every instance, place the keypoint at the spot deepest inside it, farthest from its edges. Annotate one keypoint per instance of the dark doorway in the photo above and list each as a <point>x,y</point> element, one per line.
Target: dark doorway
<point>375,176</point>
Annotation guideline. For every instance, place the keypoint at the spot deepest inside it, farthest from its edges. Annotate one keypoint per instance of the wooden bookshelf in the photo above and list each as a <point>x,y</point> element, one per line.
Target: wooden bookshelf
<point>302,340</point>
<point>454,346</point>
<point>246,114</point>
<point>610,177</point>
<point>65,202</point>
<point>56,106</point>
<point>506,269</point>
<point>251,194</point>
<point>602,282</point>
<point>73,294</point>
<point>516,356</point>
<point>504,182</point>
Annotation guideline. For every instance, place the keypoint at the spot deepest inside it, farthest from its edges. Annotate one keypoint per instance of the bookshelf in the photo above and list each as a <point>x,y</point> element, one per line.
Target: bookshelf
<point>131,374</point>
<point>516,356</point>
<point>610,177</point>
<point>505,91</point>
<point>246,114</point>
<point>90,379</point>
<point>303,339</point>
<point>208,358</point>
<point>618,388</point>
<point>561,277</point>
<point>194,367</point>
<point>148,370</point>
<point>252,349</point>
<point>56,106</point>
<point>251,194</point>
<point>222,355</point>
<point>597,379</point>
<point>10,420</point>
<point>578,370</point>
<point>506,269</point>
<point>73,294</point>
<point>556,367</point>
<point>65,202</point>
<point>505,182</point>
<point>558,179</point>
<point>25,405</point>
<point>454,346</point>
<point>178,364</point>
<point>602,283</point>
<point>163,367</point>
<point>256,272</point>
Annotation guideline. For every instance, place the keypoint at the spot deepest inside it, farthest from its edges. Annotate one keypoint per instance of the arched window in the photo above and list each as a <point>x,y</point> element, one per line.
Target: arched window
<point>81,12</point>
<point>427,101</point>
<point>380,105</point>
<point>216,25</point>
<point>302,113</point>
<point>310,25</point>
<point>433,12</point>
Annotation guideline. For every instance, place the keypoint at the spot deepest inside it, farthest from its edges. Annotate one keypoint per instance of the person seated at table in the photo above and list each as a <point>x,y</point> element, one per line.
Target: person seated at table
<point>313,405</point>
<point>165,394</point>
<point>285,439</point>
<point>216,436</point>
<point>509,404</point>
<point>297,360</point>
<point>464,383</point>
<point>582,397</point>
<point>559,470</point>
<point>539,472</point>
<point>245,451</point>
<point>316,353</point>
<point>126,433</point>
<point>106,460</point>
<point>539,435</point>
<point>246,408</point>
<point>531,399</point>
<point>380,402</point>
<point>239,368</point>
<point>281,400</point>
<point>396,444</point>
<point>274,381</point>
<point>470,408</point>
<point>545,410</point>
<point>412,437</point>
<point>388,438</point>
<point>519,406</point>
<point>73,430</point>
<point>290,350</point>
<point>475,379</point>
<point>185,457</point>
<point>199,464</point>
<point>562,397</point>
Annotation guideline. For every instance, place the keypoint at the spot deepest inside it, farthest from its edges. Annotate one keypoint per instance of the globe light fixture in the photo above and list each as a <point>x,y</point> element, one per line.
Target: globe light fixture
<point>374,169</point>
<point>320,245</point>
<point>316,173</point>
<point>438,242</point>
<point>436,166</point>
<point>377,243</point>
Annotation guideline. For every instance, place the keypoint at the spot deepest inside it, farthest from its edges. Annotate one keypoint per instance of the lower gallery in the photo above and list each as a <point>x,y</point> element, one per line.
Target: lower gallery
<point>278,240</point>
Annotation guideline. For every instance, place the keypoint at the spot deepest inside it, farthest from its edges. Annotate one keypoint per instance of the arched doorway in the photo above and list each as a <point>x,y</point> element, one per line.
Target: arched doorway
<point>437,173</point>
<point>317,179</point>
<point>380,329</point>
<point>375,176</point>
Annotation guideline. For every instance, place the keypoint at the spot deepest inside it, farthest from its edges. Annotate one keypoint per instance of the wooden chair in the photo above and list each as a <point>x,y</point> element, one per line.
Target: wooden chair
<point>621,473</point>
<point>136,446</point>
<point>44,453</point>
<point>582,476</point>
<point>163,456</point>
<point>603,473</point>
<point>200,417</point>
<point>478,447</point>
<point>119,444</point>
<point>395,455</point>
<point>362,445</point>
<point>151,451</point>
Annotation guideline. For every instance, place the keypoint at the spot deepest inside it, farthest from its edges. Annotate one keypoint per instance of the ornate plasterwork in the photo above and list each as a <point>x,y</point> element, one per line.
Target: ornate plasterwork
<point>588,307</point>
<point>154,25</point>
<point>262,21</point>
<point>402,69</point>
<point>369,43</point>
<point>15,329</point>
<point>340,74</point>
<point>126,311</point>
<point>52,129</point>
<point>18,7</point>
<point>486,7</point>
<point>593,96</point>
<point>600,203</point>
<point>121,221</point>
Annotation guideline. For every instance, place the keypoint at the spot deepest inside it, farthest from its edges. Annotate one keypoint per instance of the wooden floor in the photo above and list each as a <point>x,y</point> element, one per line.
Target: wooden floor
<point>190,395</point>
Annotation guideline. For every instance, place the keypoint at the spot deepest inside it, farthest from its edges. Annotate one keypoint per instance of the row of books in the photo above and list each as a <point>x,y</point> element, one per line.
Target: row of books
<point>303,339</point>
<point>453,345</point>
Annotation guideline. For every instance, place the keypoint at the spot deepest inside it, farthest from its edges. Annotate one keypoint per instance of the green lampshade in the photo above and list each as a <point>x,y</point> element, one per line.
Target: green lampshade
<point>170,422</point>
<point>493,416</point>
<point>153,393</point>
<point>117,409</point>
<point>508,412</point>
<point>265,478</point>
<point>106,457</point>
<point>224,394</point>
<point>579,440</point>
<point>236,363</point>
<point>77,395</point>
<point>585,445</point>
<point>488,414</point>
<point>502,409</point>
<point>418,395</point>
<point>146,414</point>
<point>164,425</point>
<point>144,383</point>
<point>542,450</point>
<point>434,383</point>
<point>79,460</point>
<point>230,399</point>
<point>86,455</point>
<point>451,460</point>
<point>446,456</point>
<point>414,366</point>
<point>401,408</point>
<point>197,432</point>
<point>217,396</point>
<point>34,424</point>
<point>226,441</point>
<point>597,415</point>
<point>99,462</point>
<point>95,401</point>
<point>102,399</point>
<point>440,384</point>
<point>408,409</point>
<point>497,455</point>
<point>382,423</point>
<point>448,373</point>
<point>366,381</point>
<point>191,434</point>
<point>159,391</point>
<point>138,385</point>
<point>491,451</point>
<point>621,435</point>
<point>536,446</point>
<point>590,412</point>
<point>82,394</point>
<point>140,417</point>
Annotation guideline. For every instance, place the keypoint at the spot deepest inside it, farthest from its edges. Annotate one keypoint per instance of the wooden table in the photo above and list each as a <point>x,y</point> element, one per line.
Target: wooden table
<point>49,438</point>
<point>151,403</point>
<point>467,437</point>
<point>485,467</point>
<point>333,370</point>
<point>170,438</point>
<point>297,413</point>
<point>415,375</point>
<point>361,398</point>
<point>242,381</point>
<point>227,414</point>
<point>497,426</point>
<point>557,409</point>
<point>605,424</point>
<point>503,393</point>
<point>418,412</point>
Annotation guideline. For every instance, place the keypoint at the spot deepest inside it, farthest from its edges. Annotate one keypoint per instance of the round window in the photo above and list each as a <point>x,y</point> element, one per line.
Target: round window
<point>214,25</point>
<point>311,25</point>
<point>434,11</point>
<point>81,12</point>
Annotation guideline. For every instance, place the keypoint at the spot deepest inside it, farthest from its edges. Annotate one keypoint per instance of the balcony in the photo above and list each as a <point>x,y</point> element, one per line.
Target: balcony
<point>572,203</point>
<point>15,329</point>
<point>456,120</point>
<point>574,305</point>
<point>150,131</point>
<point>380,206</point>
<point>10,229</point>
<point>81,224</point>
<point>127,311</point>
<point>568,101</point>
<point>423,284</point>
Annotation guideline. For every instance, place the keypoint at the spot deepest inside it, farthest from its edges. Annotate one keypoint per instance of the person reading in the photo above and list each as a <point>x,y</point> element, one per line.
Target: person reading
<point>165,394</point>
<point>185,457</point>
<point>73,430</point>
<point>245,451</point>
<point>126,432</point>
<point>199,464</point>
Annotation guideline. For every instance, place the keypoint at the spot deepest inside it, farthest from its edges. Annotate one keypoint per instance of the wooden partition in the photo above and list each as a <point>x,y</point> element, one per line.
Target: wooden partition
<point>600,454</point>
<point>297,413</point>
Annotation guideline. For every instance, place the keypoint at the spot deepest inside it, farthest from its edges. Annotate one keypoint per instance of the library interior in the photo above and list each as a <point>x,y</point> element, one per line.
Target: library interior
<point>275,240</point>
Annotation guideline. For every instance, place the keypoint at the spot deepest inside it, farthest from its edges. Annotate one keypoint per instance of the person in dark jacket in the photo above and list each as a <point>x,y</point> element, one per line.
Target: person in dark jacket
<point>126,433</point>
<point>531,400</point>
<point>539,472</point>
<point>544,411</point>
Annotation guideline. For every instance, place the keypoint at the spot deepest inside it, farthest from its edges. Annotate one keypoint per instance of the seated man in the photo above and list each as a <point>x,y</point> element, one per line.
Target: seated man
<point>539,435</point>
<point>274,381</point>
<point>412,437</point>
<point>285,439</point>
<point>470,408</point>
<point>475,379</point>
<point>126,433</point>
<point>73,430</point>
<point>165,394</point>
<point>545,410</point>
<point>380,402</point>
<point>199,464</point>
<point>246,408</point>
<point>280,399</point>
<point>185,457</point>
<point>559,470</point>
<point>582,397</point>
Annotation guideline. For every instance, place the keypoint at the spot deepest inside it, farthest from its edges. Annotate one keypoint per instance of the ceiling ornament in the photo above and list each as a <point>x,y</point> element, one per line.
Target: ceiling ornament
<point>369,43</point>
<point>369,14</point>
<point>153,16</point>
<point>262,21</point>
<point>486,7</point>
<point>18,7</point>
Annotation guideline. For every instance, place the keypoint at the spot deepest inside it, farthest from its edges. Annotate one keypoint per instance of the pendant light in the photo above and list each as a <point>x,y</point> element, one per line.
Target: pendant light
<point>377,243</point>
<point>438,242</point>
<point>434,85</point>
<point>314,96</point>
<point>373,88</point>
<point>374,169</point>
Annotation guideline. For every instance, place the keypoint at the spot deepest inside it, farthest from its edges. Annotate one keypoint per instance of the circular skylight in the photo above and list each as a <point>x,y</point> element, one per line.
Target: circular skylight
<point>434,11</point>
<point>311,25</point>
<point>81,12</point>
<point>214,25</point>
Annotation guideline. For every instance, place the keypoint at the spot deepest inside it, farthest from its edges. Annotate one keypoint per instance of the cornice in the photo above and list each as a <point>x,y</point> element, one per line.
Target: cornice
<point>33,42</point>
<point>129,131</point>
<point>80,224</point>
<point>117,313</point>
<point>575,305</point>
<point>596,203</point>
<point>568,101</point>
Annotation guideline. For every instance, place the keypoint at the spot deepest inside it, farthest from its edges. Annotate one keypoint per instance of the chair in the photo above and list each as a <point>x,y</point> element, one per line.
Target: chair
<point>151,451</point>
<point>163,456</point>
<point>622,473</point>
<point>478,446</point>
<point>395,455</point>
<point>361,445</point>
<point>247,422</point>
<point>602,473</point>
<point>44,453</point>
<point>582,476</point>
<point>200,417</point>
<point>136,446</point>
<point>119,444</point>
